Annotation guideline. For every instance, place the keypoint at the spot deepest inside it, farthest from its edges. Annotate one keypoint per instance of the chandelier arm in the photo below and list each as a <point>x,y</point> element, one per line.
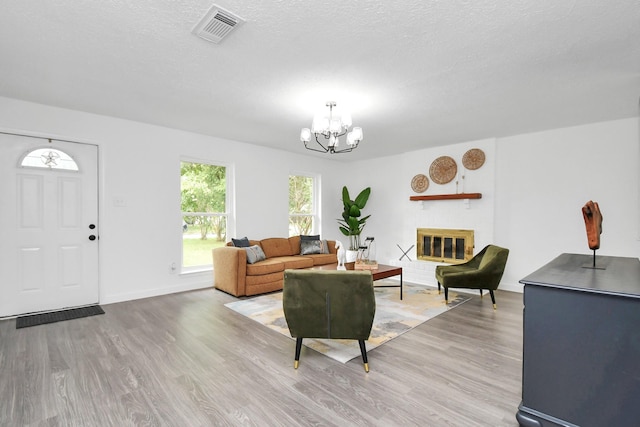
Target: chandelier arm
<point>348,150</point>
<point>328,135</point>
<point>344,150</point>
<point>324,149</point>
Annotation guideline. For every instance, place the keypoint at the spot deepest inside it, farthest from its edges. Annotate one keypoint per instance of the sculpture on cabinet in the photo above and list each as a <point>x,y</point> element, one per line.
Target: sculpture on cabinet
<point>593,222</point>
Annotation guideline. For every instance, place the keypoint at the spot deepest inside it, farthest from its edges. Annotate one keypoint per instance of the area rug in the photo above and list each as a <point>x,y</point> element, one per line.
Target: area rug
<point>393,316</point>
<point>57,316</point>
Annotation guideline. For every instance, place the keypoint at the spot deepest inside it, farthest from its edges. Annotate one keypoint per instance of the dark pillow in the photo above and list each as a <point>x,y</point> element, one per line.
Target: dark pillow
<point>308,247</point>
<point>254,254</point>
<point>303,237</point>
<point>241,243</point>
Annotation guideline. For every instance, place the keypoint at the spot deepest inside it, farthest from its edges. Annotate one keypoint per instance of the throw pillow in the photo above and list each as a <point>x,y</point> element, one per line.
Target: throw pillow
<point>241,243</point>
<point>254,254</point>
<point>308,247</point>
<point>324,246</point>
<point>303,237</point>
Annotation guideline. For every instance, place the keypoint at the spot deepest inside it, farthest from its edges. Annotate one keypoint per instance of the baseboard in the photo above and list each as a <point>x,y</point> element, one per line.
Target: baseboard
<point>148,293</point>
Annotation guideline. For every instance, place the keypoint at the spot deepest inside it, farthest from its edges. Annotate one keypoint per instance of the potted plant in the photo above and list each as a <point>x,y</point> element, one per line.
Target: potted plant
<point>351,224</point>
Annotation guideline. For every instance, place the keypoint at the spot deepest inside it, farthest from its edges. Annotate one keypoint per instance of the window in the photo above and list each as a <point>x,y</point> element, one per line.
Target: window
<point>303,204</point>
<point>204,205</point>
<point>49,158</point>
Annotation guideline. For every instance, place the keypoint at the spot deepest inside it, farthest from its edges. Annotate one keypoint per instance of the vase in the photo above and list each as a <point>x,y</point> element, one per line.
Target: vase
<point>351,256</point>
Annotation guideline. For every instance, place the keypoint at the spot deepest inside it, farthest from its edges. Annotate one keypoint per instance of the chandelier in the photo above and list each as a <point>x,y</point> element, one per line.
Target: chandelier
<point>331,127</point>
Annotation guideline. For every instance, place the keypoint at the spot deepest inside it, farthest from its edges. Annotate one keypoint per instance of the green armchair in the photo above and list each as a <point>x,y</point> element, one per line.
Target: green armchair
<point>329,304</point>
<point>483,271</point>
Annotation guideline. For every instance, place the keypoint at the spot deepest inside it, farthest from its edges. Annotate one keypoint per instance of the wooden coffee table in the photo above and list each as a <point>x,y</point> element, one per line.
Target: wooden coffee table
<point>382,272</point>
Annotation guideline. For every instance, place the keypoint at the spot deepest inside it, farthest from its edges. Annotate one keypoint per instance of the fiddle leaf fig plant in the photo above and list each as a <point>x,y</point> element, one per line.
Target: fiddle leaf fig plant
<point>351,224</point>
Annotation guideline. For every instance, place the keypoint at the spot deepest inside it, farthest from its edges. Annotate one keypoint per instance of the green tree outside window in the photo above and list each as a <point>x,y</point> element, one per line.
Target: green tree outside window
<point>203,204</point>
<point>301,205</point>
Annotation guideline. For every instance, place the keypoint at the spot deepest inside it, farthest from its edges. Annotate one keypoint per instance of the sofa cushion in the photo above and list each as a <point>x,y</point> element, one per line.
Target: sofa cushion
<point>265,278</point>
<point>294,244</point>
<point>276,246</point>
<point>323,259</point>
<point>267,266</point>
<point>241,243</point>
<point>254,254</point>
<point>294,262</point>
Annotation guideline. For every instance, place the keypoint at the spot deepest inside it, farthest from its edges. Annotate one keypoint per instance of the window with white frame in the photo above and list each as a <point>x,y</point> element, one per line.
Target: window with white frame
<point>303,205</point>
<point>205,205</point>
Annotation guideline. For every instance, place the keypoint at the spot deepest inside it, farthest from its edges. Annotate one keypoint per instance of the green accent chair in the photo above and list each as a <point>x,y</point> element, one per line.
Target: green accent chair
<point>483,271</point>
<point>329,304</point>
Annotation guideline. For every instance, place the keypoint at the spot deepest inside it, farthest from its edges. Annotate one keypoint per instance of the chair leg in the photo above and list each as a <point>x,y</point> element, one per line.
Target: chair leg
<point>438,287</point>
<point>363,350</point>
<point>446,295</point>
<point>298,348</point>
<point>481,296</point>
<point>493,299</point>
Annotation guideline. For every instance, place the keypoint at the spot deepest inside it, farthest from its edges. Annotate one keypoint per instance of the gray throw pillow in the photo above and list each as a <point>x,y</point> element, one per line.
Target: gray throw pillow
<point>308,247</point>
<point>241,243</point>
<point>254,254</point>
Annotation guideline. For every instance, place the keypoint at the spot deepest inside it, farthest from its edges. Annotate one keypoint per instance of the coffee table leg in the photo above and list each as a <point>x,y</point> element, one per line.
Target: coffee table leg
<point>400,286</point>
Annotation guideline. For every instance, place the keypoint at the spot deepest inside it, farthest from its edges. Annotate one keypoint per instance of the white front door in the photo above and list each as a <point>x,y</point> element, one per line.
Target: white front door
<point>48,225</point>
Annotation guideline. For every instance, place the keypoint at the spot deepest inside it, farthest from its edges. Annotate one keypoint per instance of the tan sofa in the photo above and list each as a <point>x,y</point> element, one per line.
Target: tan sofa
<point>234,275</point>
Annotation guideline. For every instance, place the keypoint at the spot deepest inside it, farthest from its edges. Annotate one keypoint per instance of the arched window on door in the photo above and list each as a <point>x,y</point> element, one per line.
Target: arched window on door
<point>49,158</point>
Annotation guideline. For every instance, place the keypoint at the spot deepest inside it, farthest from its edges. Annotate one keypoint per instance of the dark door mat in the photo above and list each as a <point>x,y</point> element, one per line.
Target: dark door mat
<point>57,316</point>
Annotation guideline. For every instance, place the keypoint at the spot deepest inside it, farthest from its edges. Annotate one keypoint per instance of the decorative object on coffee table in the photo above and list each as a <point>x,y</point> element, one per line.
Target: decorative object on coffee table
<point>342,255</point>
<point>366,259</point>
<point>443,170</point>
<point>473,159</point>
<point>420,183</point>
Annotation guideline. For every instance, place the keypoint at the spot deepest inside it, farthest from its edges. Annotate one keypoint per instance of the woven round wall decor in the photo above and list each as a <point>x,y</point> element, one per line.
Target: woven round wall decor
<point>420,183</point>
<point>443,170</point>
<point>473,159</point>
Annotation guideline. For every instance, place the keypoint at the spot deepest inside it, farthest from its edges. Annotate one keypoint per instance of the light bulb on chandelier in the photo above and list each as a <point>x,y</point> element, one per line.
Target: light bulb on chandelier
<point>331,127</point>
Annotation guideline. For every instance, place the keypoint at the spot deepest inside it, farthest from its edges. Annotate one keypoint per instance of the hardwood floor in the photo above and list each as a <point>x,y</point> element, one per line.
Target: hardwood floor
<point>186,360</point>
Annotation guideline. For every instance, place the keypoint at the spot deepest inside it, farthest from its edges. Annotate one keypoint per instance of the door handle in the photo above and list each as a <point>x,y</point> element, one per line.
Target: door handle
<point>92,237</point>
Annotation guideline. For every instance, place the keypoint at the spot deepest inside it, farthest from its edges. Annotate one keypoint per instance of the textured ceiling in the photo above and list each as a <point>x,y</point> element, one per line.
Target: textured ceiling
<point>415,73</point>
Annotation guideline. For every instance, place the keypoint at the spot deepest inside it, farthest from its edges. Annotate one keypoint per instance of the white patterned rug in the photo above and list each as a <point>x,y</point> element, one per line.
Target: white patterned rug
<point>393,317</point>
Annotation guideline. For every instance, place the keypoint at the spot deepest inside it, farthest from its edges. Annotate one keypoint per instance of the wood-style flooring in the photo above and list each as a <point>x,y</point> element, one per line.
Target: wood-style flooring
<point>186,360</point>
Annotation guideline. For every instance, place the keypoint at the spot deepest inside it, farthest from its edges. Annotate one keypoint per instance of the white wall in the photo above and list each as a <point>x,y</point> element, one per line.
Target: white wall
<point>140,164</point>
<point>543,180</point>
<point>533,187</point>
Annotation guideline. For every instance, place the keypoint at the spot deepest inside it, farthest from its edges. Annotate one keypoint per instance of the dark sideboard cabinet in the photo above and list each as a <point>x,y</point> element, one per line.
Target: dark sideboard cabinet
<point>581,343</point>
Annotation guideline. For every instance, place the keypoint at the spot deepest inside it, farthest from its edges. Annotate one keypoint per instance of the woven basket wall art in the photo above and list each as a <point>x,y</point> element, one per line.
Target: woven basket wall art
<point>420,183</point>
<point>473,159</point>
<point>443,170</point>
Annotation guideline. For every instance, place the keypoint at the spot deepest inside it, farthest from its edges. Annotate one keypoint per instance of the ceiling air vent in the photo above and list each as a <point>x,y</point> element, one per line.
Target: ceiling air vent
<point>216,24</point>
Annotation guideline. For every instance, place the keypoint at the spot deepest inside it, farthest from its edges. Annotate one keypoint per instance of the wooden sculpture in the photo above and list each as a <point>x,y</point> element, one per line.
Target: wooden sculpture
<point>593,222</point>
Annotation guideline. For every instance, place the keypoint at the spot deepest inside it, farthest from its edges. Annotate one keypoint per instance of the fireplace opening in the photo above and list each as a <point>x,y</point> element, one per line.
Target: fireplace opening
<point>445,245</point>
